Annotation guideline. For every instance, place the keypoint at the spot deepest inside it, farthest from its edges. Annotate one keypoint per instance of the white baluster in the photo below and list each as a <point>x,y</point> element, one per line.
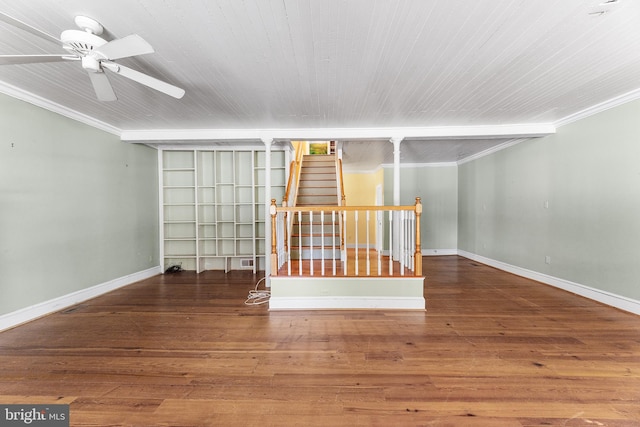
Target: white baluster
<point>368,255</point>
<point>322,240</point>
<point>379,219</point>
<point>401,247</point>
<point>333,237</point>
<point>390,243</point>
<point>288,225</point>
<point>300,243</point>
<point>344,231</point>
<point>413,240</point>
<point>356,238</point>
<point>311,242</point>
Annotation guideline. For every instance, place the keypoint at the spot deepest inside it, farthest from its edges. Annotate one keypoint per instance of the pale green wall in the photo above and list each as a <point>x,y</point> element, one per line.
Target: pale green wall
<point>589,172</point>
<point>78,207</point>
<point>438,188</point>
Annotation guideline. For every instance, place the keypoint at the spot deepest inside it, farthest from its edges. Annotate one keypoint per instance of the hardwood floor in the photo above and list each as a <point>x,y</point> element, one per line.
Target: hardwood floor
<point>492,349</point>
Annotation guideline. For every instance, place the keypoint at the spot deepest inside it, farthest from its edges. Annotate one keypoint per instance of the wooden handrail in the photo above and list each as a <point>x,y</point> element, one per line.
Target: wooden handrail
<point>342,202</point>
<point>294,173</point>
<point>329,208</point>
<point>288,190</point>
<point>299,156</point>
<point>342,195</point>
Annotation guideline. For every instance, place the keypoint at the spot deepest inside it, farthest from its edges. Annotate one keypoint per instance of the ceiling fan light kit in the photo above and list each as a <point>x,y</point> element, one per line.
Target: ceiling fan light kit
<point>95,53</point>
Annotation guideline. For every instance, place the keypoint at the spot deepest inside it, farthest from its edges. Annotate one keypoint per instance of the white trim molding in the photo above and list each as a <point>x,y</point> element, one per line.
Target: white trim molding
<point>432,132</point>
<point>344,302</point>
<point>422,165</point>
<point>491,150</point>
<point>598,108</point>
<point>604,297</point>
<point>328,292</point>
<point>439,252</point>
<point>430,252</point>
<point>33,312</point>
<point>41,102</point>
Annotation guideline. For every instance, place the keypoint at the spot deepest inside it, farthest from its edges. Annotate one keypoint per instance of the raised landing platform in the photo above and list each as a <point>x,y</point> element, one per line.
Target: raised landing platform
<point>309,293</point>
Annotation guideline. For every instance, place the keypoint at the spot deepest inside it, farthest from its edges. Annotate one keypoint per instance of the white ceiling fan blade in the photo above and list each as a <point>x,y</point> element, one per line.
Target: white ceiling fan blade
<point>31,59</point>
<point>146,80</point>
<point>102,86</point>
<point>28,28</point>
<point>125,47</point>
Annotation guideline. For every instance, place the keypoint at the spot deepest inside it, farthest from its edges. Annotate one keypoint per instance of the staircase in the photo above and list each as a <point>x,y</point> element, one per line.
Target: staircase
<point>318,186</point>
<point>318,181</point>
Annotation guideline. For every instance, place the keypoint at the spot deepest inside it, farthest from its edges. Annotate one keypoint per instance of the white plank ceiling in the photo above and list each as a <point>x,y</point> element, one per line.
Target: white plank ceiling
<point>334,64</point>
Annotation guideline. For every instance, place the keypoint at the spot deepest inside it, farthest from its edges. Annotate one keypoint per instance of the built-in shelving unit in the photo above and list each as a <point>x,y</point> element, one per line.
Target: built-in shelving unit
<point>179,208</point>
<point>213,207</point>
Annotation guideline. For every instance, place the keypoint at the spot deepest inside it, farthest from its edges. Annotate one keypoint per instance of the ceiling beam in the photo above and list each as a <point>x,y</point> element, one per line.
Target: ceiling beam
<point>435,132</point>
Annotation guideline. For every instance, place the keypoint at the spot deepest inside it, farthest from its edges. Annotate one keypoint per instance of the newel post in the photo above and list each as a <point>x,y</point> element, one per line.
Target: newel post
<point>274,253</point>
<point>418,254</point>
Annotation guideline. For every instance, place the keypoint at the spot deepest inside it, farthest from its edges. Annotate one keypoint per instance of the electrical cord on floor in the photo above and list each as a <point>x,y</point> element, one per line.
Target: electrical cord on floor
<point>258,297</point>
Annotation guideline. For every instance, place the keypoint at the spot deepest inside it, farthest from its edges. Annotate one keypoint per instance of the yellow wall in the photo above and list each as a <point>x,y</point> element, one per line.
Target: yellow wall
<point>304,146</point>
<point>360,190</point>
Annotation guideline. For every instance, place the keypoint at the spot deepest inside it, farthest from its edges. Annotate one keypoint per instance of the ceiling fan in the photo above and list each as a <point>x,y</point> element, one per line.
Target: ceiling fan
<point>96,55</point>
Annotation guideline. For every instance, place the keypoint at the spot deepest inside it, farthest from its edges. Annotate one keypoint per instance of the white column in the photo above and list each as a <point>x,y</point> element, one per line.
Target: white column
<point>396,140</point>
<point>267,215</point>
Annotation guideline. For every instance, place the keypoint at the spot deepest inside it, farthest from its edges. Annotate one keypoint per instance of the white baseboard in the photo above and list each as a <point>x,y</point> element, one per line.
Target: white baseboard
<point>372,246</point>
<point>33,312</point>
<point>344,302</point>
<point>608,298</point>
<point>439,252</point>
<point>431,252</point>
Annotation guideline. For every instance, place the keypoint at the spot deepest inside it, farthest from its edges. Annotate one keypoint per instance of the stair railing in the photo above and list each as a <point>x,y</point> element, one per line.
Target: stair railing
<point>407,235</point>
<point>291,192</point>
<point>342,201</point>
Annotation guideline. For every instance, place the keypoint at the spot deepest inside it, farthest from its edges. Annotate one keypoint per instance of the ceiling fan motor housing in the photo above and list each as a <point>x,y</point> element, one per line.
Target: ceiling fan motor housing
<point>83,44</point>
<point>81,41</point>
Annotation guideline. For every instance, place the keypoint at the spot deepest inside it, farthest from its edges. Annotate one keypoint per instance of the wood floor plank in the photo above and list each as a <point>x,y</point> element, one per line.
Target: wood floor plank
<point>183,349</point>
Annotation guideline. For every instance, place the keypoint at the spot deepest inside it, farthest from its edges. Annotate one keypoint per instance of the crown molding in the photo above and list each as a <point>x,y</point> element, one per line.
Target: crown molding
<point>587,112</point>
<point>41,102</point>
<point>599,108</point>
<point>491,150</point>
<point>421,165</point>
<point>160,136</point>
